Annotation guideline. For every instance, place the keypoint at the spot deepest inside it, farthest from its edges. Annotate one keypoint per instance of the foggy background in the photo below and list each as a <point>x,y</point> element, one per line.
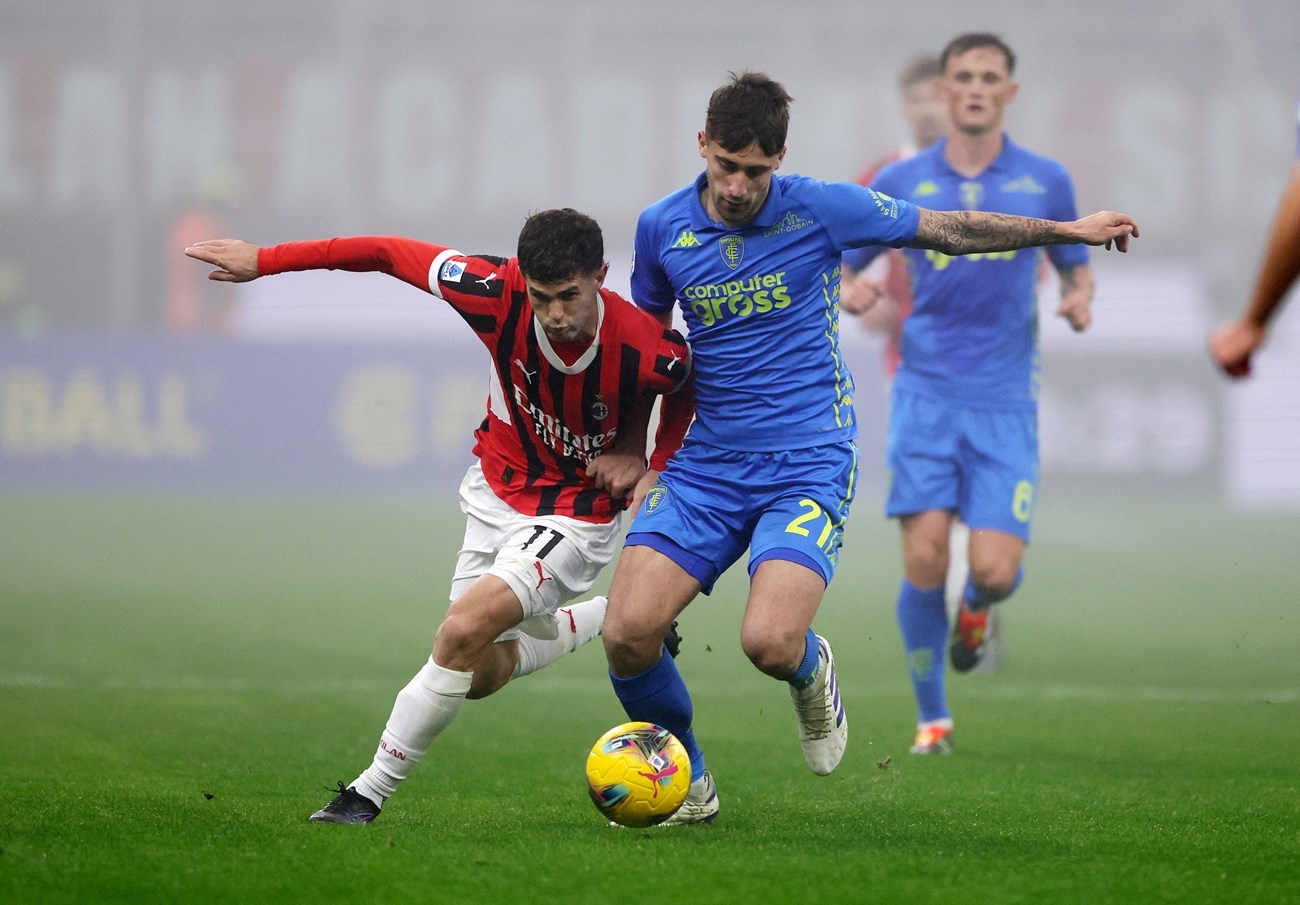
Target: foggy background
<point>124,124</point>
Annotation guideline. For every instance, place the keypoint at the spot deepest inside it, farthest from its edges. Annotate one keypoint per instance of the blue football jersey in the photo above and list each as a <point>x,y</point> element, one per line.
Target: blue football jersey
<point>972,335</point>
<point>761,304</point>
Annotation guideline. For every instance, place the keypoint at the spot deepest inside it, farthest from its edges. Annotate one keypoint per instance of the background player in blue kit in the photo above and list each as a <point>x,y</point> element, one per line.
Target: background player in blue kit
<point>963,436</point>
<point>753,260</point>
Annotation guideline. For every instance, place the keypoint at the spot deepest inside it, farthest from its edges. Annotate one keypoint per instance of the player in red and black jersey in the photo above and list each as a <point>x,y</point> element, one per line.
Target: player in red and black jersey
<point>560,451</point>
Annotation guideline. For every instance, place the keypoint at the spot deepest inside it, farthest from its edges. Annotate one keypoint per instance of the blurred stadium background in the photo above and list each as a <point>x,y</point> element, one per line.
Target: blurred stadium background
<point>131,128</point>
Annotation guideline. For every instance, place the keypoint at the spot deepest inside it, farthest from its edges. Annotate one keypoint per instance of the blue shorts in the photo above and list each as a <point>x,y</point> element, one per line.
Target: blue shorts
<point>711,504</point>
<point>982,463</point>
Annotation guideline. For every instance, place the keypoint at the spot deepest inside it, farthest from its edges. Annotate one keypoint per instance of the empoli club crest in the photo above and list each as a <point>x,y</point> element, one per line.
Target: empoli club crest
<point>655,497</point>
<point>732,249</point>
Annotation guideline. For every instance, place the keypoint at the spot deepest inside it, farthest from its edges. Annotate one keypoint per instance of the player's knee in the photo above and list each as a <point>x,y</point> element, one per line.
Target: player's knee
<point>770,653</point>
<point>995,581</point>
<point>926,564</point>
<point>629,647</point>
<point>458,640</point>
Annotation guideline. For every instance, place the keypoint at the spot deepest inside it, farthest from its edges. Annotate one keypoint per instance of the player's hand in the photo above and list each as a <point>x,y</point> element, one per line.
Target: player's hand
<point>1078,314</point>
<point>1077,289</point>
<point>1106,228</point>
<point>235,260</point>
<point>616,473</point>
<point>859,294</point>
<point>648,480</point>
<point>1231,346</point>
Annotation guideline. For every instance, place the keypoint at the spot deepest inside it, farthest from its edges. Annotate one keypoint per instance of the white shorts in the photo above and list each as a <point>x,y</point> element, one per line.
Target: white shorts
<point>547,560</point>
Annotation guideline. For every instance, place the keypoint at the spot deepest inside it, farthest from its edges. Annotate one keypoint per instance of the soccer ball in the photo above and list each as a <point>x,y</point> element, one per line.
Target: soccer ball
<point>638,774</point>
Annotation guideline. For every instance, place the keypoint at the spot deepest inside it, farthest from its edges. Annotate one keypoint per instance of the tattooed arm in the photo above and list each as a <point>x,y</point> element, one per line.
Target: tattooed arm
<point>965,232</point>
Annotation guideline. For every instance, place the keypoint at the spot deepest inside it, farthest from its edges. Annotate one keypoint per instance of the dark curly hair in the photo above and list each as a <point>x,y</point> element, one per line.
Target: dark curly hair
<point>558,245</point>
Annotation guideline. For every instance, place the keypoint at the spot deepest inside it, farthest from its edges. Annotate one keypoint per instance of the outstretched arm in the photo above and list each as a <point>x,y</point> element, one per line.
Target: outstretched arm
<point>235,260</point>
<point>1232,344</point>
<point>238,262</point>
<point>966,232</point>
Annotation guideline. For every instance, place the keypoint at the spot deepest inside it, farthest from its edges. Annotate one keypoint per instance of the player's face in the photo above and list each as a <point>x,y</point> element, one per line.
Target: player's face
<point>567,310</point>
<point>738,181</point>
<point>978,86</point>
<point>925,110</point>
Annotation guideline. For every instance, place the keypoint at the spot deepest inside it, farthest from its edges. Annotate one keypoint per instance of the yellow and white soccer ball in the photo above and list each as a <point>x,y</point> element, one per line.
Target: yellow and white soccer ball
<point>638,774</point>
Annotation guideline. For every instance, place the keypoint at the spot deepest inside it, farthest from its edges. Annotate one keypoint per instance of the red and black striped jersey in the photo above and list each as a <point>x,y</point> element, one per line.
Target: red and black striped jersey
<point>548,414</point>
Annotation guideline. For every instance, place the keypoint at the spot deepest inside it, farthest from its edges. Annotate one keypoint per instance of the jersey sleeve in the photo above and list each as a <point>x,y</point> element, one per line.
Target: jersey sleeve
<point>406,259</point>
<point>651,289</point>
<point>855,216</point>
<point>676,413</point>
<point>474,286</point>
<point>1062,208</point>
<point>858,258</point>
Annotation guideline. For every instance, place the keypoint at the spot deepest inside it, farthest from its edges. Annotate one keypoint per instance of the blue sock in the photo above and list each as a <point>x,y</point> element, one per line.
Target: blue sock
<point>923,623</point>
<point>977,598</point>
<point>659,696</point>
<point>807,671</point>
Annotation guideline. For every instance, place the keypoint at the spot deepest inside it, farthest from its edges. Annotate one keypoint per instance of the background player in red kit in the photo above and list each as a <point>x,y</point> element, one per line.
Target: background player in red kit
<point>575,370</point>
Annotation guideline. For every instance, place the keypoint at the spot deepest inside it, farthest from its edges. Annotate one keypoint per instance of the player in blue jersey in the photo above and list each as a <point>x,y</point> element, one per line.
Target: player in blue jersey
<point>753,260</point>
<point>963,437</point>
<point>1232,344</point>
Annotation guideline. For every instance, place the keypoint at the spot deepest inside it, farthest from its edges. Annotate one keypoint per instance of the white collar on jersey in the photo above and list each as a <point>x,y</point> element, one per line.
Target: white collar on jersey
<point>549,353</point>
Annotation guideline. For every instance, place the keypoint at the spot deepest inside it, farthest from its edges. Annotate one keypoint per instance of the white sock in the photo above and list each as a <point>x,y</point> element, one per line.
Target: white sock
<point>578,624</point>
<point>954,582</point>
<point>425,707</point>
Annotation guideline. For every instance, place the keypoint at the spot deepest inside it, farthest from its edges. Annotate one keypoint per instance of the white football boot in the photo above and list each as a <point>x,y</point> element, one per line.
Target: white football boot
<point>823,725</point>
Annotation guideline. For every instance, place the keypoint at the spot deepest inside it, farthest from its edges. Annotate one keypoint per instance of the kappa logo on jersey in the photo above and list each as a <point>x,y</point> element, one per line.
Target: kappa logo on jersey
<point>1027,184</point>
<point>686,240</point>
<point>926,189</point>
<point>452,271</point>
<point>790,223</point>
<point>888,206</point>
<point>732,249</point>
<point>972,195</point>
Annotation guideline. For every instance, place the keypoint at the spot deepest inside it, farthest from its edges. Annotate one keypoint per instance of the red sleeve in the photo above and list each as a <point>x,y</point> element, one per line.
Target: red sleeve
<point>406,259</point>
<point>676,413</point>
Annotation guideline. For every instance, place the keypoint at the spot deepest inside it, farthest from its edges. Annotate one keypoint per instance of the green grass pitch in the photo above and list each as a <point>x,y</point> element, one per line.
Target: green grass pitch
<point>181,677</point>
